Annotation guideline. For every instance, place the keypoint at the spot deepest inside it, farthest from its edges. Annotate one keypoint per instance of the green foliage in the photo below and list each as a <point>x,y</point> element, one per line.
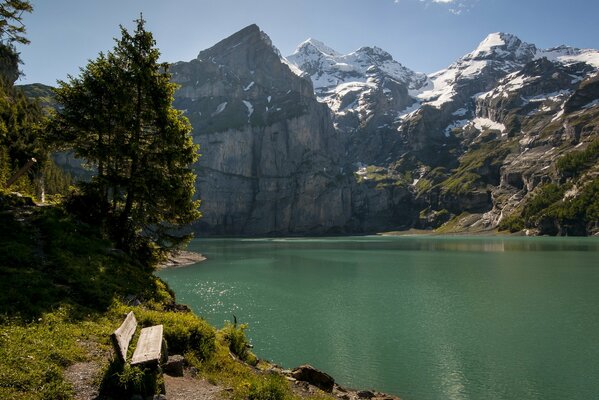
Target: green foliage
<point>41,93</point>
<point>271,387</point>
<point>383,177</point>
<point>238,343</point>
<point>575,163</point>
<point>546,196</point>
<point>118,116</point>
<point>477,167</point>
<point>222,369</point>
<point>125,381</point>
<point>21,122</point>
<point>512,223</point>
<point>574,214</point>
<point>11,25</point>
<point>55,180</point>
<point>582,208</point>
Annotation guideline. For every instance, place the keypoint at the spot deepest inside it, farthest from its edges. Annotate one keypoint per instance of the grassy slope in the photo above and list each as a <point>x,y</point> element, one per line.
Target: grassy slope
<point>61,293</point>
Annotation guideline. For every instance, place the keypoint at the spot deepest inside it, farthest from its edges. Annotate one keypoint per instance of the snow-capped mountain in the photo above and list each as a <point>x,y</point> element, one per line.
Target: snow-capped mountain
<point>497,55</point>
<point>503,93</point>
<point>359,83</point>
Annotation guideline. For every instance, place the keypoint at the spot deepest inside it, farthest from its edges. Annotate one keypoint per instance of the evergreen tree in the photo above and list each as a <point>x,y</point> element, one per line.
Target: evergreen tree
<point>12,31</point>
<point>11,25</point>
<point>118,116</point>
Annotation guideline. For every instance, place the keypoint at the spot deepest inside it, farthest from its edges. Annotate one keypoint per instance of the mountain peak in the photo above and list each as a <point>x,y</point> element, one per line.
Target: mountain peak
<point>500,45</point>
<point>375,53</point>
<point>251,36</point>
<point>317,45</point>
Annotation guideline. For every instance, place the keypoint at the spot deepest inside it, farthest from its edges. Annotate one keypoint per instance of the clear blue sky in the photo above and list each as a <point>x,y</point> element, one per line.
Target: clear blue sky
<point>425,35</point>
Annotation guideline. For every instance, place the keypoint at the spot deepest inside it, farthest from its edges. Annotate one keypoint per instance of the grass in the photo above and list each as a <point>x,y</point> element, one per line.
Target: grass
<point>477,167</point>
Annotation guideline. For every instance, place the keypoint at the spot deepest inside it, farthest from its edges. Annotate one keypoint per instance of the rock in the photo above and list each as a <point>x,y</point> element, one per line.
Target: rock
<point>271,158</point>
<point>174,365</point>
<point>365,394</point>
<point>311,375</point>
<point>157,397</point>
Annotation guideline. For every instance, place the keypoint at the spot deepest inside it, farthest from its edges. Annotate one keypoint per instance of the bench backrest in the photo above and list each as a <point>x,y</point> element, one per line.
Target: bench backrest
<point>122,336</point>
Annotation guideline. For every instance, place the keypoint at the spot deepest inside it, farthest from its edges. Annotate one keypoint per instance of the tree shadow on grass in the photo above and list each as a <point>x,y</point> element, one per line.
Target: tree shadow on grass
<point>48,259</point>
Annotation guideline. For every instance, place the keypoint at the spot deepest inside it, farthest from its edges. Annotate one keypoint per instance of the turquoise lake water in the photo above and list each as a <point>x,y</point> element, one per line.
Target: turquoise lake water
<point>421,317</point>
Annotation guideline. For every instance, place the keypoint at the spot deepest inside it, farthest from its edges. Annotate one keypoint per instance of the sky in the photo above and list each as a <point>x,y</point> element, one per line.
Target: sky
<point>424,35</point>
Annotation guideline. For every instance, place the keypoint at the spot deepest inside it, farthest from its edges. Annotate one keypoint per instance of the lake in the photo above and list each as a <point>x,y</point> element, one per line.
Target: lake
<point>421,317</point>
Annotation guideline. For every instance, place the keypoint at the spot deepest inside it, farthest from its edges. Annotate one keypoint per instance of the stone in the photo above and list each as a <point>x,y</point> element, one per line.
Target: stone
<point>174,365</point>
<point>315,377</point>
<point>365,394</point>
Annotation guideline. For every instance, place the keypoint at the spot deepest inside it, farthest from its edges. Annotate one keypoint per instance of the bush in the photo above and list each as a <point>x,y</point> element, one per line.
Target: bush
<point>271,387</point>
<point>238,343</point>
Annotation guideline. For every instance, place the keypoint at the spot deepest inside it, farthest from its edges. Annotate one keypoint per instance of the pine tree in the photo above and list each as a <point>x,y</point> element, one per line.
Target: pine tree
<point>118,116</point>
<point>12,30</point>
<point>11,25</point>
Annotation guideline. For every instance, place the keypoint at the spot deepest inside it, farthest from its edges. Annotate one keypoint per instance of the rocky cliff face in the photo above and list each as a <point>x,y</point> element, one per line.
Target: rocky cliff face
<point>271,158</point>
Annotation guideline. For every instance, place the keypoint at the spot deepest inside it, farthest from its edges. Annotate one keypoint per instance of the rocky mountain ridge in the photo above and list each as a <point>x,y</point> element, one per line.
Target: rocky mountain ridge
<point>472,139</point>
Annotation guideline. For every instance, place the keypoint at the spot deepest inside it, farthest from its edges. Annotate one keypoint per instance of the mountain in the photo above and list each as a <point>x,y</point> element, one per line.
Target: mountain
<point>270,156</point>
<point>477,141</point>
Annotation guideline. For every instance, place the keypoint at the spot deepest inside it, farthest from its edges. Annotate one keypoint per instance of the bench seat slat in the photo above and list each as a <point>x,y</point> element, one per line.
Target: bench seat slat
<point>122,336</point>
<point>149,345</point>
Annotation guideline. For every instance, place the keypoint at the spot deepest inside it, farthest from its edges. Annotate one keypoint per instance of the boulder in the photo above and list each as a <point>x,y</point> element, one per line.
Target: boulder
<point>365,394</point>
<point>311,375</point>
<point>174,365</point>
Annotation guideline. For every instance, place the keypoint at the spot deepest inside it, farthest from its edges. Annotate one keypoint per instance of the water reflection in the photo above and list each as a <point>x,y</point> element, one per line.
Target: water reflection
<point>438,243</point>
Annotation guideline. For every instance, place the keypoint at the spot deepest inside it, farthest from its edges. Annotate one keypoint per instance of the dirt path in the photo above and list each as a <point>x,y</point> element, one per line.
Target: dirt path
<point>188,387</point>
<point>84,377</point>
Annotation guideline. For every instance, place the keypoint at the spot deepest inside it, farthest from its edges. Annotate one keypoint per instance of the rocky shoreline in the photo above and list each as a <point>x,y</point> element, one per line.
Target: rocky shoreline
<point>308,380</point>
<point>181,258</point>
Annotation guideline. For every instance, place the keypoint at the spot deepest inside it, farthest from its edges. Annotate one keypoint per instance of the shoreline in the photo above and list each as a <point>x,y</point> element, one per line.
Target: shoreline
<point>181,258</point>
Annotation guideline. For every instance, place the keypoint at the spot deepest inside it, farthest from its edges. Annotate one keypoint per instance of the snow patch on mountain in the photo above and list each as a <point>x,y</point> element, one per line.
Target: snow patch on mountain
<point>569,55</point>
<point>250,108</point>
<point>219,109</point>
<point>483,124</point>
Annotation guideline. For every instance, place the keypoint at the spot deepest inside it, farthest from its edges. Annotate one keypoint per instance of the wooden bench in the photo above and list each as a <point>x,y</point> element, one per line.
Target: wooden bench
<point>150,347</point>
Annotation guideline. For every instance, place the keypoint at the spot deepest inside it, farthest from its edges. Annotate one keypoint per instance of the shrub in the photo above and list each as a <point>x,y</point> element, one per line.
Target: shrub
<point>238,343</point>
<point>270,387</point>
